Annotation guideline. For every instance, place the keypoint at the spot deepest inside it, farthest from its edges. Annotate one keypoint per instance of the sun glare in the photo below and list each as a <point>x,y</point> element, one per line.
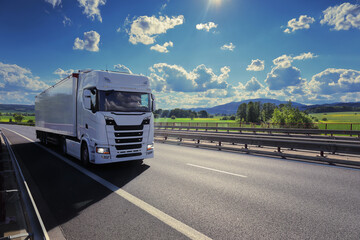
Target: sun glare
<point>215,2</point>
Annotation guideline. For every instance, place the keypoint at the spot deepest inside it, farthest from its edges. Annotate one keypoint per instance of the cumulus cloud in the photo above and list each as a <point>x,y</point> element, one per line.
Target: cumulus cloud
<point>66,21</point>
<point>162,48</point>
<point>304,56</point>
<point>283,76</point>
<point>91,8</point>
<point>145,29</point>
<point>342,17</point>
<point>256,65</point>
<point>229,47</point>
<point>54,3</point>
<point>165,77</point>
<point>206,26</point>
<point>334,80</point>
<point>16,78</point>
<point>122,68</point>
<point>253,85</point>
<point>63,73</point>
<point>283,61</point>
<point>90,42</point>
<point>303,23</point>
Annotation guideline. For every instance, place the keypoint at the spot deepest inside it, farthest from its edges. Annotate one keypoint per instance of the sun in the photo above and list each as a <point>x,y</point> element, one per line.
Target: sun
<point>215,2</point>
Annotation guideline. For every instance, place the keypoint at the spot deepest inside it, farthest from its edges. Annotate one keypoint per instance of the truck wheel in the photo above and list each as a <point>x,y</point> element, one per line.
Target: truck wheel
<point>85,155</point>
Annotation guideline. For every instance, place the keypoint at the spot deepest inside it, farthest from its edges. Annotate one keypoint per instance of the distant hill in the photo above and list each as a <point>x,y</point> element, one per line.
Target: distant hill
<point>231,108</point>
<point>13,108</point>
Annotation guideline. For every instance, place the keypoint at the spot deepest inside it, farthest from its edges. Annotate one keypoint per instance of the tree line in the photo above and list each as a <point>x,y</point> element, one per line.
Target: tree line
<point>180,113</point>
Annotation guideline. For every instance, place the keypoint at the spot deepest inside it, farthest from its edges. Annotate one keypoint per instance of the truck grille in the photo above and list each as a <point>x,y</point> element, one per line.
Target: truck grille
<point>128,140</point>
<point>126,147</point>
<point>128,134</point>
<point>127,128</point>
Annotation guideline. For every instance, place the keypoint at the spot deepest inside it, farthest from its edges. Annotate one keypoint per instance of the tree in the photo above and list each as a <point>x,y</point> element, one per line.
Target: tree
<point>18,117</point>
<point>250,112</point>
<point>203,114</point>
<point>267,111</point>
<point>165,113</point>
<point>288,116</point>
<point>173,117</point>
<point>232,117</point>
<point>241,112</point>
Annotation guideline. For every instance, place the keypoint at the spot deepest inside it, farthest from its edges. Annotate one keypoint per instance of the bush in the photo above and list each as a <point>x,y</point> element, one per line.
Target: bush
<point>173,117</point>
<point>30,121</point>
<point>232,118</point>
<point>324,119</point>
<point>224,118</point>
<point>156,115</point>
<point>10,119</point>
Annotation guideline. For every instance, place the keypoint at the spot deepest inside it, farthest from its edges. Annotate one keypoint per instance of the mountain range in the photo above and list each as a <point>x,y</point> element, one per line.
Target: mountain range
<point>228,108</point>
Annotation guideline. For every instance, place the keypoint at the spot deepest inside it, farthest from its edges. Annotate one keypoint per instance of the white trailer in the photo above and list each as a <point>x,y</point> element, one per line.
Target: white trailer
<point>98,116</point>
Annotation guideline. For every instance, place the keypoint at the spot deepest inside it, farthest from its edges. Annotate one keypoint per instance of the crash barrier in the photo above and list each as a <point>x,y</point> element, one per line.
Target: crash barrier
<point>332,146</point>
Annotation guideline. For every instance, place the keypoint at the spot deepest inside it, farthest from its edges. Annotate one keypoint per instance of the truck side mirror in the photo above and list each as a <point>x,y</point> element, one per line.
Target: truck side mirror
<point>87,99</point>
<point>153,103</point>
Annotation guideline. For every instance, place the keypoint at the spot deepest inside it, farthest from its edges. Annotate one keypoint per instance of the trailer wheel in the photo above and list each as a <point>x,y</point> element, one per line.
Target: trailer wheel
<point>85,155</point>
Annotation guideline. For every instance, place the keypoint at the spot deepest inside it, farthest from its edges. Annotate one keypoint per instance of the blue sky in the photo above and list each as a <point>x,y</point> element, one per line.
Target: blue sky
<point>196,53</point>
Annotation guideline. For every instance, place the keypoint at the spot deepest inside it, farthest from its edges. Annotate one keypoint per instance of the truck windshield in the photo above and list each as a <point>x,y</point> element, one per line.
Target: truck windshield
<point>124,101</point>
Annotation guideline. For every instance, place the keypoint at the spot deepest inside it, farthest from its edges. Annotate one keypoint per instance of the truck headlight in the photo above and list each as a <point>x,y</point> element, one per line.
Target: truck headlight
<point>150,147</point>
<point>103,150</point>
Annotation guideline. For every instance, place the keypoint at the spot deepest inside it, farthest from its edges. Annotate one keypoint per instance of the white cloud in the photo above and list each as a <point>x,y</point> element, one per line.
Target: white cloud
<point>283,61</point>
<point>303,23</point>
<point>165,77</point>
<point>304,56</point>
<point>256,65</point>
<point>206,26</point>
<point>229,47</point>
<point>63,73</point>
<point>253,85</point>
<point>334,80</point>
<point>66,21</point>
<point>16,78</point>
<point>282,76</point>
<point>91,8</point>
<point>118,29</point>
<point>122,68</point>
<point>54,3</point>
<point>162,48</point>
<point>16,97</point>
<point>145,29</point>
<point>90,42</point>
<point>342,17</point>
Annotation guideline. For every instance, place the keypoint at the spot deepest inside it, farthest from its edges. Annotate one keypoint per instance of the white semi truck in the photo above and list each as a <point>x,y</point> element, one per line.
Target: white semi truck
<point>98,117</point>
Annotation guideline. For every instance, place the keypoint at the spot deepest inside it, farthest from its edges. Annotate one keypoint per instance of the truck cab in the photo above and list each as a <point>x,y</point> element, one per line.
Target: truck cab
<point>113,118</point>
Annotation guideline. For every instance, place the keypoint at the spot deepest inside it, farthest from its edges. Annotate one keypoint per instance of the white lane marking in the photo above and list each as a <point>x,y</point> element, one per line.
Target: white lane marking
<point>46,235</point>
<point>215,170</point>
<point>167,219</point>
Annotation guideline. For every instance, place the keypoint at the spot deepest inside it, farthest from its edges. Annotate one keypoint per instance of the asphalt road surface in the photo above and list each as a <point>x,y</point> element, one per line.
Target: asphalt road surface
<point>186,193</point>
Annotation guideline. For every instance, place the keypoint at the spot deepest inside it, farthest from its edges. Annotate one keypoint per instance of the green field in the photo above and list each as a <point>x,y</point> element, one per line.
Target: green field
<point>26,118</point>
<point>338,117</point>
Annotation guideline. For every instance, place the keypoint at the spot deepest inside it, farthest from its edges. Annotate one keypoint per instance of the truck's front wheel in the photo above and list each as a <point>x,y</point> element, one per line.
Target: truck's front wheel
<point>85,155</point>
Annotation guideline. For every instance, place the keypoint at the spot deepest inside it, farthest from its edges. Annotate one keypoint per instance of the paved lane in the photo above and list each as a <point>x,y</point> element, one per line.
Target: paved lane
<point>277,199</point>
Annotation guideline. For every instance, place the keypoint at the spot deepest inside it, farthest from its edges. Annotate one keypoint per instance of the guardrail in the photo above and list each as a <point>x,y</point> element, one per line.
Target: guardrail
<point>36,228</point>
<point>332,146</point>
<point>267,130</point>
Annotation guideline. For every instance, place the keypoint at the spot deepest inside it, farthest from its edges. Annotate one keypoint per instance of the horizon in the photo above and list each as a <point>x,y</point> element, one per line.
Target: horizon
<point>197,54</point>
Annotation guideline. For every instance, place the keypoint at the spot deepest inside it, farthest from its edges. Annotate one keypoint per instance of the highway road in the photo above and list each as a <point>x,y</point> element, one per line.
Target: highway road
<point>188,192</point>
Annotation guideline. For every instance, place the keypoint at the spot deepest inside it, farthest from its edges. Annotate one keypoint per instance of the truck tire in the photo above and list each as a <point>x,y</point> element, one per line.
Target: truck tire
<point>85,155</point>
